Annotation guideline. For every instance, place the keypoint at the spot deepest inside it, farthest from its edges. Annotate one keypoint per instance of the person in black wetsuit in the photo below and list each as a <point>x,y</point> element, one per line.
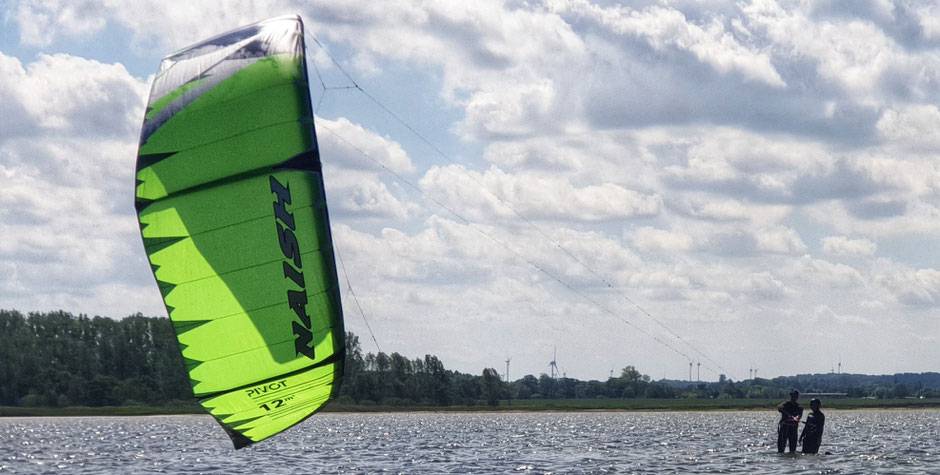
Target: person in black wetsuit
<point>812,433</point>
<point>787,428</point>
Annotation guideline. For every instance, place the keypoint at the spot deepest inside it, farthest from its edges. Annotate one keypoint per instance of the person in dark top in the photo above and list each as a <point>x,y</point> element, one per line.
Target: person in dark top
<point>812,433</point>
<point>790,413</point>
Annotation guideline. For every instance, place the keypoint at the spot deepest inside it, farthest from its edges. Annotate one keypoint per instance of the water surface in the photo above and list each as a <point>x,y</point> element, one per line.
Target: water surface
<point>861,441</point>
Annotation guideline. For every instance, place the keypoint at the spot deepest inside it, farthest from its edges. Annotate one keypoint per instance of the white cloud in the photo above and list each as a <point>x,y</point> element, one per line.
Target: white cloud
<point>364,195</point>
<point>823,314</point>
<point>740,239</point>
<point>764,285</point>
<point>719,209</point>
<point>879,219</point>
<point>607,256</point>
<point>914,287</point>
<point>666,28</point>
<point>40,23</point>
<point>354,161</point>
<point>488,194</point>
<point>490,114</point>
<point>903,176</point>
<point>537,153</point>
<point>739,162</point>
<point>843,246</point>
<point>15,120</point>
<point>620,157</point>
<point>169,27</point>
<point>915,127</point>
<point>67,172</point>
<point>658,240</point>
<point>69,95</point>
<point>929,18</point>
<point>825,275</point>
<point>351,146</point>
<point>853,53</point>
<point>659,279</point>
<point>492,59</point>
<point>780,241</point>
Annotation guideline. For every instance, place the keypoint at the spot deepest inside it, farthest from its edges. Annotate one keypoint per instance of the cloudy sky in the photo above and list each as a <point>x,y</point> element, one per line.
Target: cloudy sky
<point>751,184</point>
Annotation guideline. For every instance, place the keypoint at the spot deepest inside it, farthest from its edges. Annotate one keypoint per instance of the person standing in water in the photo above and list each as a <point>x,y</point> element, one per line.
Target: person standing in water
<point>787,428</point>
<point>811,436</point>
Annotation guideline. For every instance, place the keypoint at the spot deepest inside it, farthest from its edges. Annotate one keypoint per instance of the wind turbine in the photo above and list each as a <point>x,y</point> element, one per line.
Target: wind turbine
<point>553,365</point>
<point>508,359</point>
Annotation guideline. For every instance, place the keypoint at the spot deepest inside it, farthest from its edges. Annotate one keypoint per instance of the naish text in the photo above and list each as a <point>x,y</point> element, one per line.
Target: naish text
<point>293,268</point>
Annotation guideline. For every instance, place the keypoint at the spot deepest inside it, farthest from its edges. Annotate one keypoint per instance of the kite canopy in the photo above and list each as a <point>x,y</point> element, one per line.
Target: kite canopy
<point>234,221</point>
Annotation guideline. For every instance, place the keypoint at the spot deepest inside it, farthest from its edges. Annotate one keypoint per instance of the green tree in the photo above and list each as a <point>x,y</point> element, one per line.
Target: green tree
<point>440,389</point>
<point>634,379</point>
<point>400,379</point>
<point>354,378</point>
<point>659,390</point>
<point>528,386</point>
<point>101,391</point>
<point>15,349</point>
<point>547,386</point>
<point>491,386</point>
<point>901,391</point>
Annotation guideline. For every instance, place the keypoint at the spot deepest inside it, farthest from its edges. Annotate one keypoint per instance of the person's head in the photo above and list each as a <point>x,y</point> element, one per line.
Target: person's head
<point>815,404</point>
<point>794,395</point>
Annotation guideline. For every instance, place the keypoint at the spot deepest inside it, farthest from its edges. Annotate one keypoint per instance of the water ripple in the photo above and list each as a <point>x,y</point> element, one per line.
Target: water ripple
<point>894,441</point>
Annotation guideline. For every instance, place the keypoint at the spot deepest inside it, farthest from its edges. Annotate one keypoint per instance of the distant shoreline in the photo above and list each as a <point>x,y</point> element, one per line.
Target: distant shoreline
<point>531,405</point>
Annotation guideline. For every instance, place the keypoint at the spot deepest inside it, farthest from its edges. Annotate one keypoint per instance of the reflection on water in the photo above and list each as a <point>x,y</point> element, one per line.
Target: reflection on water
<point>896,441</point>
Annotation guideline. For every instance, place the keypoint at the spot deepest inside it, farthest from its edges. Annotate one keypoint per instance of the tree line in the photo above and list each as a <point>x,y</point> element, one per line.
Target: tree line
<point>57,359</point>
